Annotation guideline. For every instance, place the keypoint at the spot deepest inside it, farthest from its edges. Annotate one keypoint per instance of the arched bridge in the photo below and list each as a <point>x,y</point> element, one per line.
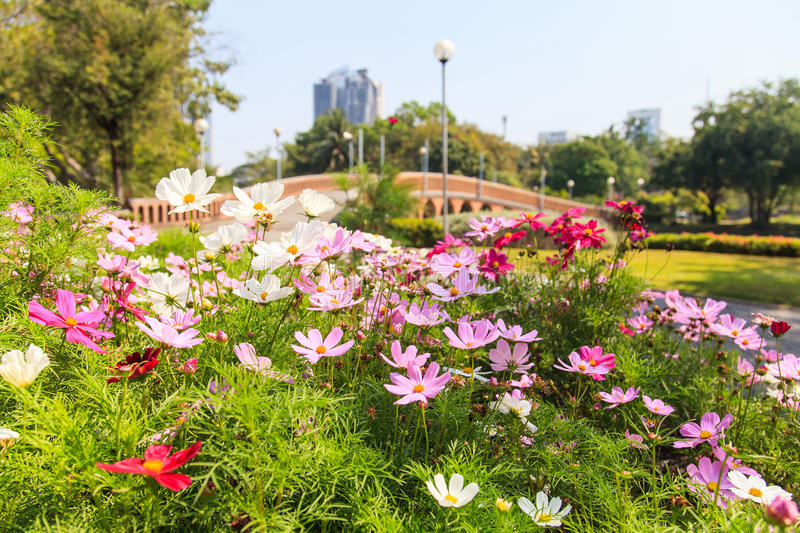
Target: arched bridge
<point>465,195</point>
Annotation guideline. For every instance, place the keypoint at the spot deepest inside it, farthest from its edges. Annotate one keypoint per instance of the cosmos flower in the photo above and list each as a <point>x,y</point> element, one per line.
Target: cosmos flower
<point>405,358</point>
<point>617,396</point>
<point>159,465</point>
<point>502,358</point>
<point>754,488</point>
<point>657,406</point>
<point>80,327</point>
<point>314,203</point>
<point>416,387</point>
<point>710,430</point>
<point>186,191</point>
<point>315,348</point>
<point>546,512</point>
<point>262,205</point>
<point>20,370</point>
<point>453,495</point>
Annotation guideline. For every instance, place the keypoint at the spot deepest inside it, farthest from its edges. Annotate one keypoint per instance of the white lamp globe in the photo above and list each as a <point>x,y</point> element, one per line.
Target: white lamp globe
<point>444,50</point>
<point>201,126</point>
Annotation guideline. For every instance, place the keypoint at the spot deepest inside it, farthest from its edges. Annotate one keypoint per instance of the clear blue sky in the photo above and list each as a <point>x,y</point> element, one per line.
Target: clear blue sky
<point>561,64</point>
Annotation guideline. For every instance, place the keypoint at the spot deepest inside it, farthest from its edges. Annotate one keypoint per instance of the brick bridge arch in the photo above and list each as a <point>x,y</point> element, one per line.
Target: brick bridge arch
<point>465,195</point>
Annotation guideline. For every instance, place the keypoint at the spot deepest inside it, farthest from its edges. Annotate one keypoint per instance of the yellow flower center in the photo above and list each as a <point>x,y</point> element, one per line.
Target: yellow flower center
<point>581,367</point>
<point>320,288</point>
<point>734,332</point>
<point>705,434</point>
<point>452,499</point>
<point>153,466</point>
<point>712,486</point>
<point>544,517</point>
<point>745,342</point>
<point>258,206</point>
<point>457,264</point>
<point>592,362</point>
<point>453,292</point>
<point>264,295</point>
<point>468,344</point>
<point>495,264</point>
<point>324,248</point>
<point>507,235</point>
<point>188,198</point>
<point>467,370</point>
<point>132,238</point>
<point>419,388</point>
<point>484,227</point>
<point>587,231</point>
<point>71,321</point>
<point>292,249</point>
<point>321,349</point>
<point>503,505</point>
<point>755,492</point>
<point>209,256</point>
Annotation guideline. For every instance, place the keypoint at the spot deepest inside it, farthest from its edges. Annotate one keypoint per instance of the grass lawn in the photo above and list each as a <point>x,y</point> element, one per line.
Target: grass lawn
<point>773,280</point>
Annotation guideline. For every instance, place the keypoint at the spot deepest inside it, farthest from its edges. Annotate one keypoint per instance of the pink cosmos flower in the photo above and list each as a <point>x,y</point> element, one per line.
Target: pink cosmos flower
<point>246,353</point>
<point>19,212</point>
<point>617,396</point>
<point>733,464</point>
<point>736,329</point>
<point>577,364</point>
<point>315,348</point>
<point>689,308</point>
<point>159,465</point>
<point>426,316</point>
<point>181,319</point>
<point>416,387</point>
<point>502,358</point>
<point>463,285</point>
<point>404,359</point>
<point>635,440</point>
<point>448,242</point>
<point>588,235</point>
<point>80,327</point>
<point>747,371</point>
<point>332,301</point>
<point>710,430</point>
<point>509,237</point>
<point>595,357</point>
<point>525,381</point>
<point>495,264</point>
<point>531,219</point>
<point>472,335</point>
<point>129,239</point>
<point>484,228</point>
<point>514,333</point>
<point>704,478</point>
<point>640,324</point>
<point>166,334</point>
<point>782,511</point>
<point>657,407</point>
<point>788,367</point>
<point>448,264</point>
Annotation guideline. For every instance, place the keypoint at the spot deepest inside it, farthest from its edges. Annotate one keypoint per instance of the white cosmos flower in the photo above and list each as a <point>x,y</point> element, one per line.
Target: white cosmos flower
<point>303,238</point>
<point>755,488</point>
<point>6,434</point>
<point>266,290</point>
<point>454,495</point>
<point>545,513</point>
<point>262,204</point>
<point>186,191</point>
<point>314,203</point>
<point>384,243</point>
<point>20,370</point>
<point>224,238</point>
<point>269,256</point>
<point>168,293</point>
<point>148,262</point>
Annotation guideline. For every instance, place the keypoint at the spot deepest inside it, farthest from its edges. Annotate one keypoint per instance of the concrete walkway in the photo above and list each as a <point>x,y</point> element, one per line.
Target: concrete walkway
<point>790,343</point>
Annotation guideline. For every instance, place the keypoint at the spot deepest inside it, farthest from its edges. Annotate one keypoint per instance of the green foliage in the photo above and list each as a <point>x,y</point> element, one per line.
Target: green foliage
<point>323,148</point>
<point>377,200</point>
<point>586,162</point>
<point>731,244</point>
<point>416,232</point>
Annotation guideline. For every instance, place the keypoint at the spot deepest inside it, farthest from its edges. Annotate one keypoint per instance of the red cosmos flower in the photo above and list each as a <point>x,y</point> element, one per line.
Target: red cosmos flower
<point>158,464</point>
<point>80,327</point>
<point>135,365</point>
<point>625,207</point>
<point>392,121</point>
<point>449,241</point>
<point>588,234</point>
<point>529,218</point>
<point>779,328</point>
<point>508,238</point>
<point>495,264</point>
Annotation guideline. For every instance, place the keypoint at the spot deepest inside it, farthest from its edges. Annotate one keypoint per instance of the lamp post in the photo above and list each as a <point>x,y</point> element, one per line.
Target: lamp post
<point>278,132</point>
<point>424,152</point>
<point>201,126</point>
<point>541,189</point>
<point>383,151</point>
<point>640,183</point>
<point>570,185</point>
<point>443,51</point>
<point>360,146</point>
<point>611,182</point>
<point>347,136</point>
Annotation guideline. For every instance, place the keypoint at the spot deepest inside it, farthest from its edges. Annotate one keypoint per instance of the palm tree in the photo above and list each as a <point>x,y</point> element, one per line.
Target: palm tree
<point>323,148</point>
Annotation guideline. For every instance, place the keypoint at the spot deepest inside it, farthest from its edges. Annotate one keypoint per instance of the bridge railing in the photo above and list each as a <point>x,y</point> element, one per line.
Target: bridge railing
<point>465,194</point>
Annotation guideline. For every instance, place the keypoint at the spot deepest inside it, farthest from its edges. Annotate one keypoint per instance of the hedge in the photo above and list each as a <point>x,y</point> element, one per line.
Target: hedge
<point>730,244</point>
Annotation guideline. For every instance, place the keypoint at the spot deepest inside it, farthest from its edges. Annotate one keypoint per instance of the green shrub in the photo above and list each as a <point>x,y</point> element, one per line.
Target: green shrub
<point>416,232</point>
<point>730,244</point>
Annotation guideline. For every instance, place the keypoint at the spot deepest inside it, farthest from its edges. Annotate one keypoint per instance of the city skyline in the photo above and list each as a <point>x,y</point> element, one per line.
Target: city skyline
<point>574,66</point>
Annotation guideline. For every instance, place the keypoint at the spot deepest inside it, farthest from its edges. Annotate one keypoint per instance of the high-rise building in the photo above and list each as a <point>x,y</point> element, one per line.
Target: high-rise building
<point>359,98</point>
<point>558,137</point>
<point>651,120</point>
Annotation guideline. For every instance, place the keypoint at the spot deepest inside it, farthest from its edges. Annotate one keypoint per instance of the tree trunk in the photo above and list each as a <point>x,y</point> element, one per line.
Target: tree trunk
<point>117,169</point>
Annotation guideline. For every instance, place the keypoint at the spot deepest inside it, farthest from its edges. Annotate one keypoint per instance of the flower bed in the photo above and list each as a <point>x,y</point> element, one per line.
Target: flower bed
<point>725,243</point>
<point>324,379</point>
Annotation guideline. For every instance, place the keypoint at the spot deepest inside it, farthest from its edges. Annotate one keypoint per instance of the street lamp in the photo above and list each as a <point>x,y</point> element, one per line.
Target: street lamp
<point>640,183</point>
<point>201,126</point>
<point>570,185</point>
<point>278,132</point>
<point>611,182</point>
<point>347,136</point>
<point>541,189</point>
<point>423,150</point>
<point>443,51</point>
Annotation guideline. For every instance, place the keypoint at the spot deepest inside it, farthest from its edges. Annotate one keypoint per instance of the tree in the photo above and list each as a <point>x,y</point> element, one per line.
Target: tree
<point>113,74</point>
<point>323,148</point>
<point>631,163</point>
<point>585,161</point>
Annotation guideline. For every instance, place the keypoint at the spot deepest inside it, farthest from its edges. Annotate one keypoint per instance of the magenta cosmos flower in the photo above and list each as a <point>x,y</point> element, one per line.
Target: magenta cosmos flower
<point>514,333</point>
<point>703,480</point>
<point>577,364</point>
<point>617,396</point>
<point>472,335</point>
<point>657,406</point>
<point>166,334</point>
<point>495,264</point>
<point>80,327</point>
<point>416,387</point>
<point>710,430</point>
<point>159,465</point>
<point>404,359</point>
<point>315,348</point>
<point>502,358</point>
<point>596,358</point>
<point>426,316</point>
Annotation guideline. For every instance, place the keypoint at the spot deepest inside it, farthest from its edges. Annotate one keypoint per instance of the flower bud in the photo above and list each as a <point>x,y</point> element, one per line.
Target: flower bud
<point>782,511</point>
